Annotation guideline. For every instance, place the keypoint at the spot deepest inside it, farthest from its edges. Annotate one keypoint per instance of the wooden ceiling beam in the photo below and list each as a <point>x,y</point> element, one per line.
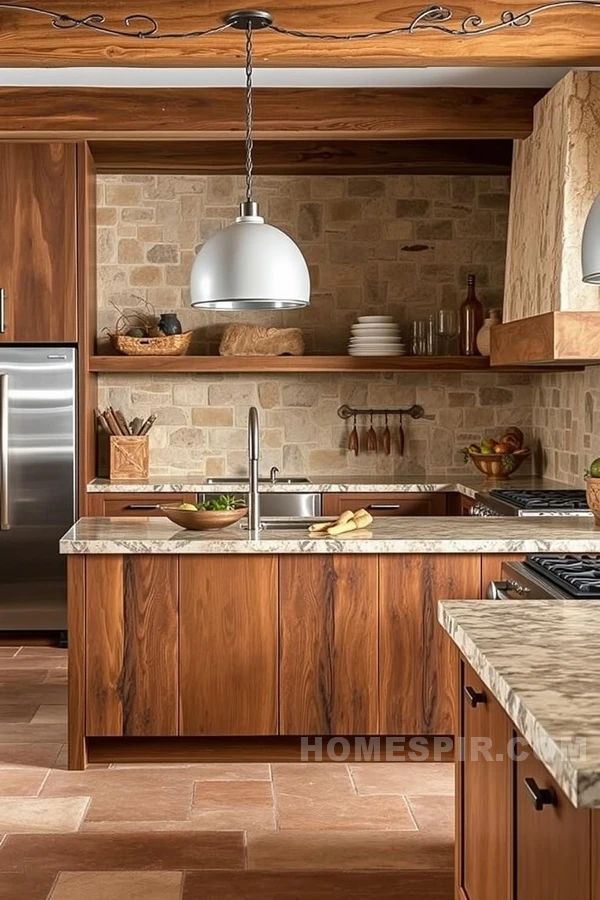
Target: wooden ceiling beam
<point>306,157</point>
<point>554,38</point>
<point>279,113</point>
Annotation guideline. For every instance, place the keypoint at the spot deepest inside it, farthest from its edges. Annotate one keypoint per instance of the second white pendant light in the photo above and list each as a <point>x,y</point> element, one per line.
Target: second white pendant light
<point>250,264</point>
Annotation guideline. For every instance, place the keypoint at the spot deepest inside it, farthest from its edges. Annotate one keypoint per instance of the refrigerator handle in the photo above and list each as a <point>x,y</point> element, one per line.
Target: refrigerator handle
<point>4,523</point>
<point>2,310</point>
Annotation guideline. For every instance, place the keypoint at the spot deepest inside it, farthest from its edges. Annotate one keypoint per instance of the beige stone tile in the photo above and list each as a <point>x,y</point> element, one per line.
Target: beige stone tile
<point>222,794</point>
<point>26,885</point>
<point>120,794</point>
<point>361,850</point>
<point>63,814</point>
<point>17,712</point>
<point>23,782</point>
<point>337,813</point>
<point>232,772</point>
<point>33,733</point>
<point>312,780</point>
<point>50,715</point>
<point>433,813</point>
<point>404,778</point>
<point>234,818</point>
<point>18,755</point>
<point>117,886</point>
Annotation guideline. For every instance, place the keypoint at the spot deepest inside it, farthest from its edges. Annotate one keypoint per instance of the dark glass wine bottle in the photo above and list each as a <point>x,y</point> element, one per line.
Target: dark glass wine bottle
<point>471,320</point>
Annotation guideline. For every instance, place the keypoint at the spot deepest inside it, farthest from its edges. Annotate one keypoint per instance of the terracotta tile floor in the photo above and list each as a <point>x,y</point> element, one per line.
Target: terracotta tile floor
<point>207,831</point>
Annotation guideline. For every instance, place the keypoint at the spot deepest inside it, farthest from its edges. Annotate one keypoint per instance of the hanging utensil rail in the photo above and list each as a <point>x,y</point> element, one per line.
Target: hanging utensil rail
<point>415,412</point>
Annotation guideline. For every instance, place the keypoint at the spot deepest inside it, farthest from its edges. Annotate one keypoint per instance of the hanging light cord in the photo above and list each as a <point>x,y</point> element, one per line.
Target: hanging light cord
<point>249,140</point>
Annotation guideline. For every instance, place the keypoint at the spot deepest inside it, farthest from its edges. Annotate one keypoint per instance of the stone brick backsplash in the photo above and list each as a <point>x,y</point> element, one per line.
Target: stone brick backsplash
<point>201,424</point>
<point>398,245</point>
<point>566,423</point>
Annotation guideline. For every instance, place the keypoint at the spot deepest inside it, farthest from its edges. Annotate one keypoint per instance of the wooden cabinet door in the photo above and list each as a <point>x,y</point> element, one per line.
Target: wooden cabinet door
<point>228,645</point>
<point>135,504</point>
<point>131,641</point>
<point>552,844</point>
<point>328,671</point>
<point>484,803</point>
<point>417,660</point>
<point>405,504</point>
<point>38,247</point>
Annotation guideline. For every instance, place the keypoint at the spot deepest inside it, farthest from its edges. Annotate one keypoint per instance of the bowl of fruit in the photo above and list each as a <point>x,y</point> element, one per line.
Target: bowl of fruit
<point>592,489</point>
<point>499,458</point>
<point>210,514</point>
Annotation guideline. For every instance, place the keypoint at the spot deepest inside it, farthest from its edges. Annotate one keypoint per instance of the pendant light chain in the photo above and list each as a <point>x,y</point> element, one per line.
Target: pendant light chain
<point>249,140</point>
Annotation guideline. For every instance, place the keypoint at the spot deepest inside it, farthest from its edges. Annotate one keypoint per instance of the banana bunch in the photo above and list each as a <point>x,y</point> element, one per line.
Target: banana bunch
<point>347,521</point>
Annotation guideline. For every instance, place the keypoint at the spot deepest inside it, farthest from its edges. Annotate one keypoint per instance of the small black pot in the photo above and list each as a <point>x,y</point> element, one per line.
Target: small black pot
<point>169,324</point>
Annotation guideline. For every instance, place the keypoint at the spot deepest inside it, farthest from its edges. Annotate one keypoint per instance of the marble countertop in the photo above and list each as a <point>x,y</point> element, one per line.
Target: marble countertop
<point>541,660</point>
<point>386,535</point>
<point>468,484</point>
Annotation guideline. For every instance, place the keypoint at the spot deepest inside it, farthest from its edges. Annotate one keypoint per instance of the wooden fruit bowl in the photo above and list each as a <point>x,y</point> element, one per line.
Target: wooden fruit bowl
<point>493,465</point>
<point>203,519</point>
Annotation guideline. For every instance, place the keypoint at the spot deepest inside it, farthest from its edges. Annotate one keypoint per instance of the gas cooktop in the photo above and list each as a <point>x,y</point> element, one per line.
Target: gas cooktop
<point>578,575</point>
<point>517,502</point>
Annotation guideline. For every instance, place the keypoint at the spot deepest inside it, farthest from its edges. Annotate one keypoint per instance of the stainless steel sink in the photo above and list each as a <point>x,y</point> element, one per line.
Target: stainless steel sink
<point>243,479</point>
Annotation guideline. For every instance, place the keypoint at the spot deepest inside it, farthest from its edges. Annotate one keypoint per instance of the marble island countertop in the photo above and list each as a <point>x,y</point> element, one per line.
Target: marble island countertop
<point>541,660</point>
<point>385,535</point>
<point>468,484</point>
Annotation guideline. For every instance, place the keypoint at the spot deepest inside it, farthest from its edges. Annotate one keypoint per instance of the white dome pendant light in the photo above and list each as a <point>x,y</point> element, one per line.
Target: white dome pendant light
<point>590,245</point>
<point>249,265</point>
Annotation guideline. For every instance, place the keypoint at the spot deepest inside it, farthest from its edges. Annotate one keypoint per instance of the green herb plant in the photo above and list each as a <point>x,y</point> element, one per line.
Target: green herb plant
<point>224,503</point>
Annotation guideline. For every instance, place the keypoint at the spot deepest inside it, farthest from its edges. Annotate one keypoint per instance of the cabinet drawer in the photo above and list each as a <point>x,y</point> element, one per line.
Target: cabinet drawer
<point>405,504</point>
<point>552,838</point>
<point>134,504</point>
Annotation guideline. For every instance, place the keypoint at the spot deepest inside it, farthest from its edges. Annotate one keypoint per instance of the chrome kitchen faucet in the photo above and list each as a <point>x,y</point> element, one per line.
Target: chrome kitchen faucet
<point>253,457</point>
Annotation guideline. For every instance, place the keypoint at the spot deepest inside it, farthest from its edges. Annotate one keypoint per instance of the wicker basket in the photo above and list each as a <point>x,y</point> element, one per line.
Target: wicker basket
<point>165,345</point>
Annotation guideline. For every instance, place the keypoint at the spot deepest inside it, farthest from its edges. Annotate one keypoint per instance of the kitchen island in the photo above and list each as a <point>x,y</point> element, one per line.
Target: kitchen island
<point>188,645</point>
<point>528,775</point>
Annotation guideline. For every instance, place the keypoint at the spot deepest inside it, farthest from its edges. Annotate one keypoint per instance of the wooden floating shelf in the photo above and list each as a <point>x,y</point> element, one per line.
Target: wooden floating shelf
<point>295,364</point>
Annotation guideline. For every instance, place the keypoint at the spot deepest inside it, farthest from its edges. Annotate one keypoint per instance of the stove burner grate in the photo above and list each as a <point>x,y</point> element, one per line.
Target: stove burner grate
<point>577,574</point>
<point>540,499</point>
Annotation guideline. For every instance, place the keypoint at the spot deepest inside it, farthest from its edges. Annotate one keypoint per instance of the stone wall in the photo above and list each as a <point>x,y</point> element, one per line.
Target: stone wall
<point>566,423</point>
<point>201,424</point>
<point>399,245</point>
<point>396,245</point>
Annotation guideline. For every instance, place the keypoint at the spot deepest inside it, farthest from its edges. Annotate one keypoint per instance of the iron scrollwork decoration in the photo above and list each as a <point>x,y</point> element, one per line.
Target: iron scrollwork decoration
<point>433,18</point>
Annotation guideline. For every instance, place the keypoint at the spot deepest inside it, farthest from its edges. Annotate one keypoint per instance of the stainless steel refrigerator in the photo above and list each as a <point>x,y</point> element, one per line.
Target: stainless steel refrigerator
<point>37,484</point>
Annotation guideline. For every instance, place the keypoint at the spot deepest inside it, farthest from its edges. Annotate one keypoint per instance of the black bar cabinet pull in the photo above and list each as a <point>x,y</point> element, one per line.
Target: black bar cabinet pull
<point>540,797</point>
<point>474,697</point>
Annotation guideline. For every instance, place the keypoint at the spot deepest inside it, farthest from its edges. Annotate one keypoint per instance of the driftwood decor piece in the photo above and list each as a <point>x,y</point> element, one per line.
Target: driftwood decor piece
<point>255,340</point>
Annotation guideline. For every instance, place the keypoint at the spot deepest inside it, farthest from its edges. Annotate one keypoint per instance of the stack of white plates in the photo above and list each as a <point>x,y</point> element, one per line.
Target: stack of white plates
<point>376,336</point>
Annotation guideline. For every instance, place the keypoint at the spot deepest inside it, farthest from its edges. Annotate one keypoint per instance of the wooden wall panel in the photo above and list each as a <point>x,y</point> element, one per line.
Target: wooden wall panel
<point>416,659</point>
<point>104,644</point>
<point>76,582</point>
<point>86,319</point>
<point>210,114</point>
<point>228,645</point>
<point>132,645</point>
<point>290,157</point>
<point>38,246</point>
<point>553,337</point>
<point>553,39</point>
<point>328,674</point>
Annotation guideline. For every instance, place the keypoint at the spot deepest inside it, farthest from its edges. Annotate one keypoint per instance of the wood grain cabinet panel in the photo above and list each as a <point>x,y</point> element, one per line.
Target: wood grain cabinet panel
<point>404,504</point>
<point>229,645</point>
<point>135,504</point>
<point>416,659</point>
<point>38,248</point>
<point>552,844</point>
<point>484,786</point>
<point>328,671</point>
<point>491,568</point>
<point>132,645</point>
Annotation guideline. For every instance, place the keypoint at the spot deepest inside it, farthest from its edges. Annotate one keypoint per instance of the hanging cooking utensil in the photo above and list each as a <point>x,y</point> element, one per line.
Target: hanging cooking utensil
<point>401,437</point>
<point>353,439</point>
<point>372,437</point>
<point>387,438</point>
